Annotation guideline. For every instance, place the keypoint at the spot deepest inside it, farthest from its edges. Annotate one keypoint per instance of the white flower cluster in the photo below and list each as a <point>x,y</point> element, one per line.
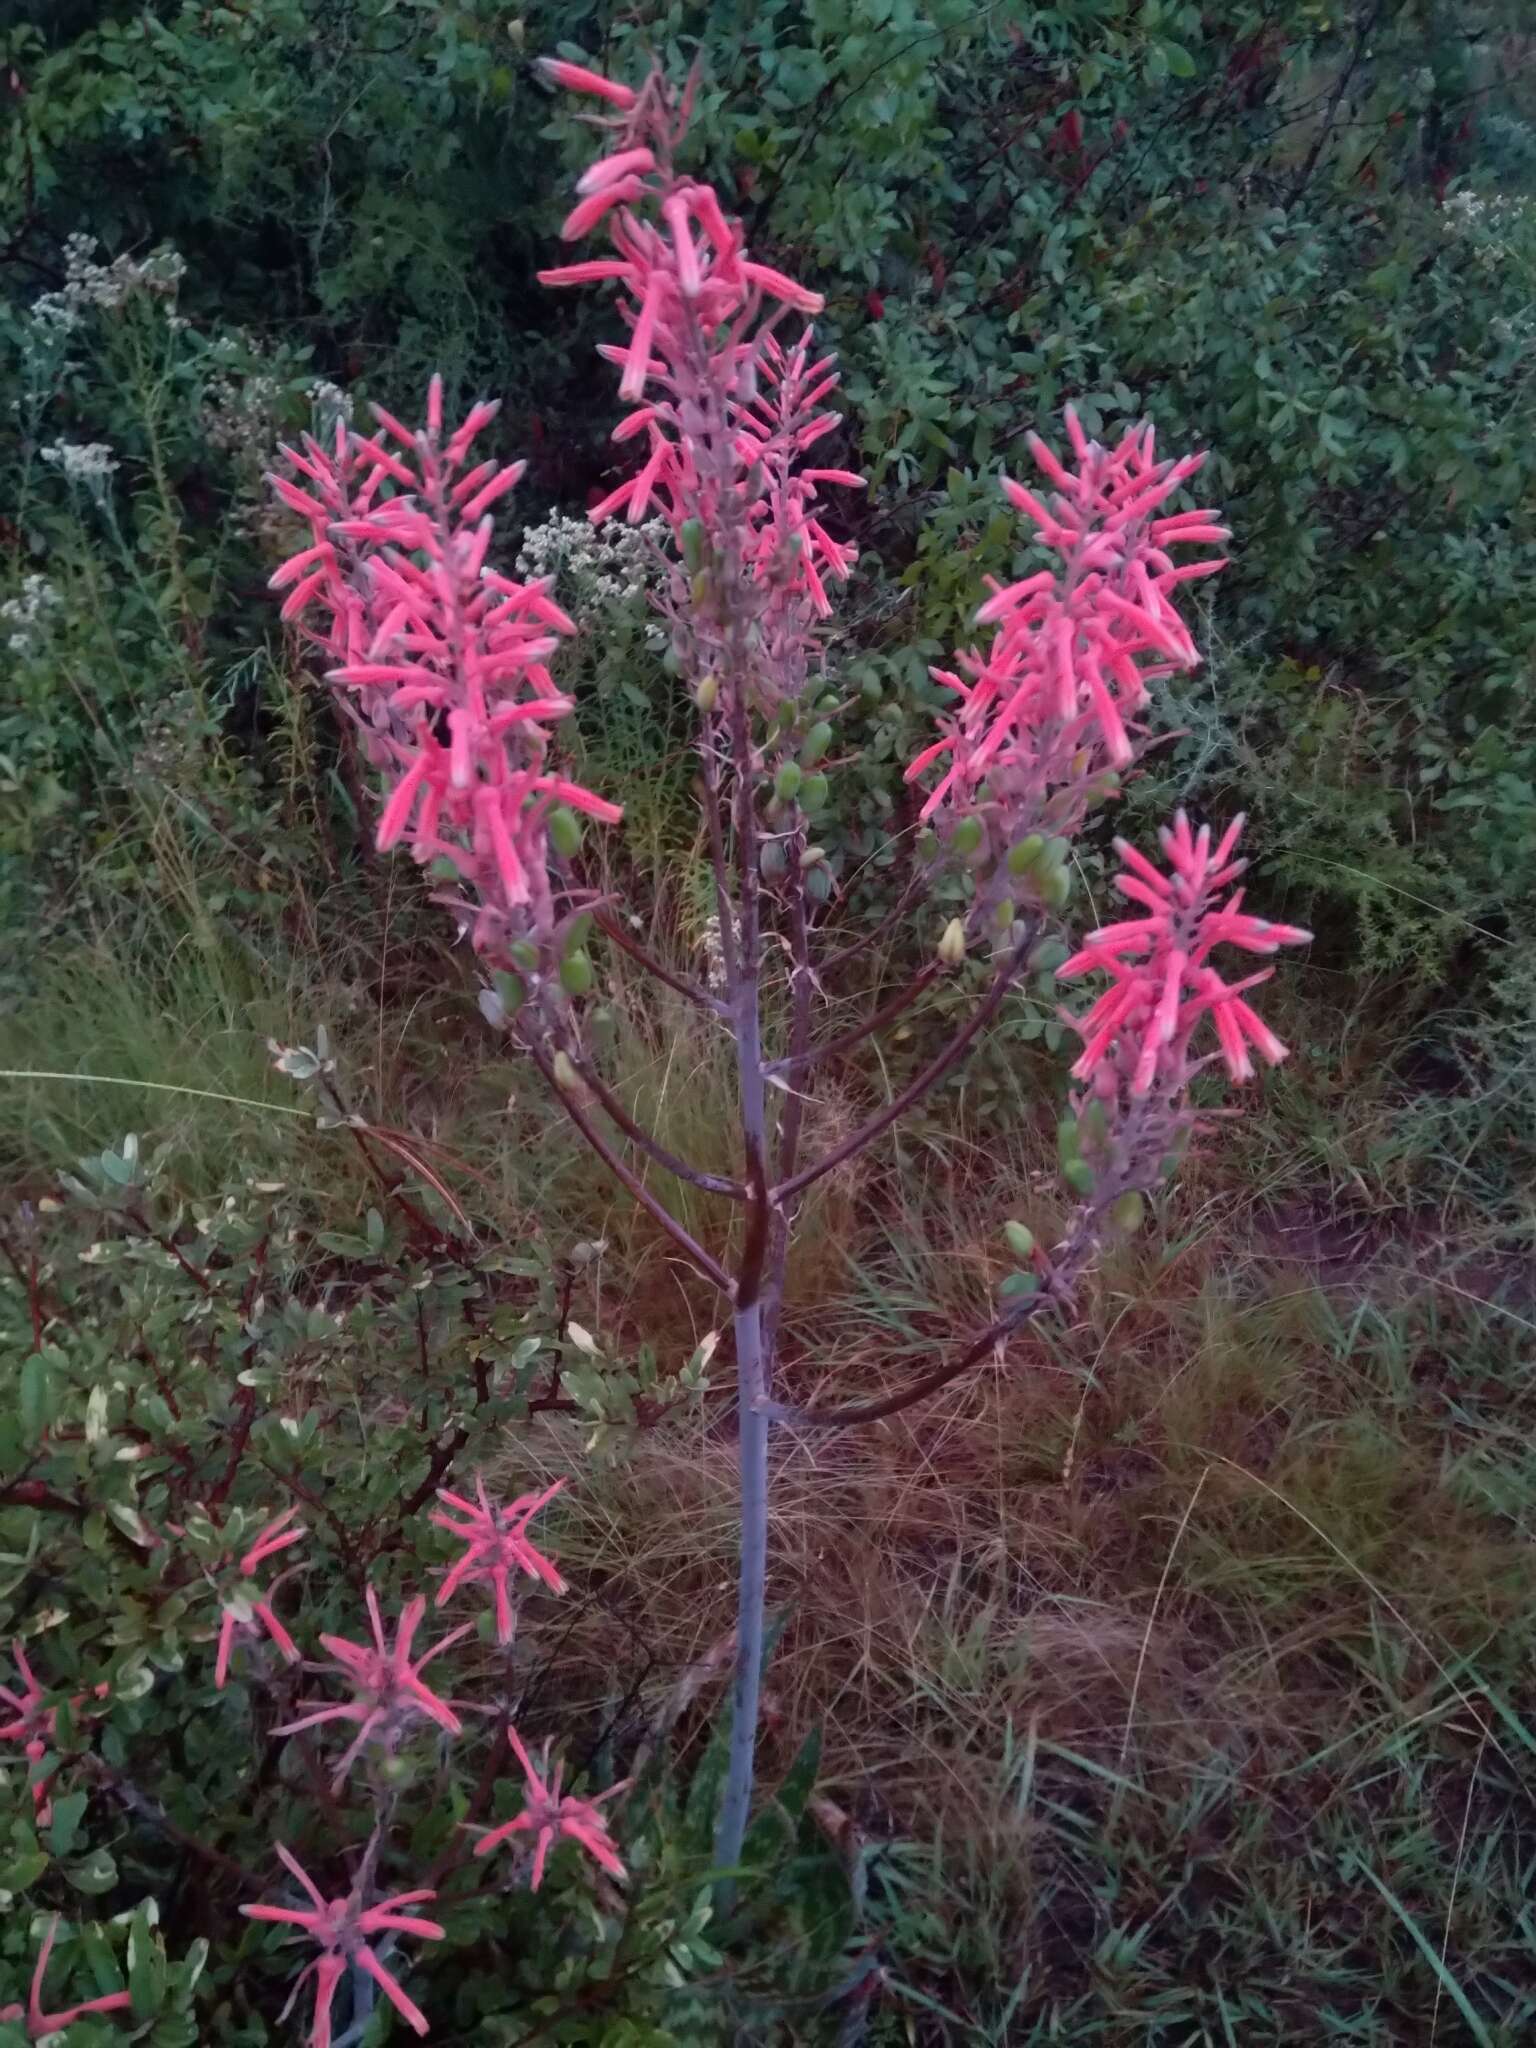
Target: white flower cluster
<point>89,285</point>
<point>1488,224</point>
<point>26,614</point>
<point>599,566</point>
<point>82,462</point>
<point>240,405</point>
<point>328,404</point>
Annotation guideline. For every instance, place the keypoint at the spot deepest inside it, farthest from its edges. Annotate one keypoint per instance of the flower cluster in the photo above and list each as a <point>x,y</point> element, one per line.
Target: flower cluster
<point>246,1604</point>
<point>91,286</point>
<point>1048,716</point>
<point>723,411</point>
<point>550,1816</point>
<point>611,563</point>
<point>1136,1037</point>
<point>27,613</point>
<point>389,1696</point>
<point>447,656</point>
<point>82,462</point>
<point>34,1724</point>
<point>343,1928</point>
<point>496,1545</point>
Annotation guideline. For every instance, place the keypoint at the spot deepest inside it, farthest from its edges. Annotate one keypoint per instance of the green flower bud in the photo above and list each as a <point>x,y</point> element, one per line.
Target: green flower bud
<point>1078,1175</point>
<point>525,953</point>
<point>1020,1241</point>
<point>576,976</point>
<point>1018,1287</point>
<point>691,538</point>
<point>1021,858</point>
<point>566,1077</point>
<point>1128,1211</point>
<point>512,989</point>
<point>967,837</point>
<point>772,861</point>
<point>817,741</point>
<point>786,784</point>
<point>1002,916</point>
<point>564,831</point>
<point>818,884</point>
<point>952,944</point>
<point>814,791</point>
<point>927,843</point>
<point>1056,889</point>
<point>1068,1143</point>
<point>707,693</point>
<point>1094,1124</point>
<point>576,931</point>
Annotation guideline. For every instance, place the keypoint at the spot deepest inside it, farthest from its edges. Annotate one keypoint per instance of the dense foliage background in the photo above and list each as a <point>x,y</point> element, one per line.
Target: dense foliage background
<point>1301,234</point>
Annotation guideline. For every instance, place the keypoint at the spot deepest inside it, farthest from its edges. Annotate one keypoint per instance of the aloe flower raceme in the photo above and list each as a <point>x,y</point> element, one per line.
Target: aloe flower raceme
<point>548,1816</point>
<point>447,657</point>
<point>40,2025</point>
<point>343,1929</point>
<point>1137,1034</point>
<point>248,1604</point>
<point>389,1691</point>
<point>496,1545</point>
<point>1048,716</point>
<point>724,411</point>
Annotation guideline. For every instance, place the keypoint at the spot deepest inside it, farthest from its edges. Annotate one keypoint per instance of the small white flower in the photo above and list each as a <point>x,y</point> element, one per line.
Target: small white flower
<point>82,462</point>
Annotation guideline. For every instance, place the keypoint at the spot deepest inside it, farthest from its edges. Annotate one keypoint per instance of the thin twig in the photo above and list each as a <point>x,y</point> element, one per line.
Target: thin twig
<point>683,986</point>
<point>711,1183</point>
<point>929,1078</point>
<point>980,1348</point>
<point>834,1048</point>
<point>691,1249</point>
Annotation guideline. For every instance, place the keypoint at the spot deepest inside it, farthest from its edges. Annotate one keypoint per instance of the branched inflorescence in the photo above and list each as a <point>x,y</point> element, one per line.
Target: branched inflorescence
<point>446,657</point>
<point>443,664</point>
<point>1050,715</point>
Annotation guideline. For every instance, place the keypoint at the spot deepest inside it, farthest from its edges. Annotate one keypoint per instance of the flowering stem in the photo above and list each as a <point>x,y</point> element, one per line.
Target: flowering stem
<point>744,965</point>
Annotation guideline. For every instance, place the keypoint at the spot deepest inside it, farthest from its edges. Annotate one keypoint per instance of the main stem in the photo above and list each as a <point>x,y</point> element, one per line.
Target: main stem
<point>751,1360</point>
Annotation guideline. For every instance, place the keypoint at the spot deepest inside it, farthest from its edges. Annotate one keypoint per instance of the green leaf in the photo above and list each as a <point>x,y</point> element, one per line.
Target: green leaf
<point>68,1812</point>
<point>93,1874</point>
<point>36,1397</point>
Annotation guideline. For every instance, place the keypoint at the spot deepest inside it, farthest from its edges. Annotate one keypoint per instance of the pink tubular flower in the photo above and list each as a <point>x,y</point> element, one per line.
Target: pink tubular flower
<point>580,78</point>
<point>247,1604</point>
<point>1161,984</point>
<point>342,1928</point>
<point>1052,706</point>
<point>389,1692</point>
<point>439,659</point>
<point>548,1816</point>
<point>496,1545</point>
<point>39,2024</point>
<point>34,1725</point>
<point>724,412</point>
